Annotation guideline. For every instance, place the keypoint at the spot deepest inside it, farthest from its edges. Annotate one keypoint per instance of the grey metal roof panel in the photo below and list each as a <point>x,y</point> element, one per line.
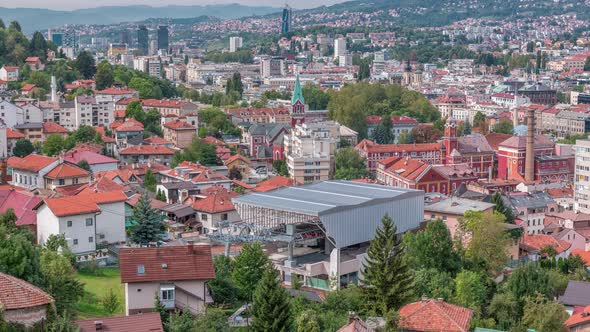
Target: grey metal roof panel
<point>323,197</point>
<point>577,293</point>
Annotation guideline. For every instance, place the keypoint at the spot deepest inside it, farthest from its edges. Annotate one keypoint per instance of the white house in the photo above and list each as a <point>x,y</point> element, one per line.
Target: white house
<point>9,73</point>
<point>29,172</point>
<point>11,114</point>
<point>86,220</point>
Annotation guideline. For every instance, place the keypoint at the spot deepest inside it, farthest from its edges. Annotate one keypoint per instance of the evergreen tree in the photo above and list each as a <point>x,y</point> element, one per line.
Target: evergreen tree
<point>164,314</point>
<point>383,133</point>
<point>587,64</point>
<point>271,307</point>
<point>85,64</point>
<point>308,322</point>
<point>149,181</point>
<point>148,227</point>
<point>249,266</point>
<point>104,75</point>
<point>467,128</point>
<point>161,196</point>
<point>38,45</point>
<point>23,147</point>
<point>387,278</point>
<point>502,208</point>
<point>479,120</point>
<point>15,26</point>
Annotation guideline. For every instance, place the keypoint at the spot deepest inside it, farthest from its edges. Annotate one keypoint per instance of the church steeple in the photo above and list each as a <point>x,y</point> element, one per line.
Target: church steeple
<point>297,93</point>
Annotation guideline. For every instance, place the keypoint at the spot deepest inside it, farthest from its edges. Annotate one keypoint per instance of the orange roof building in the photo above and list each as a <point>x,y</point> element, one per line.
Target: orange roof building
<point>17,295</point>
<point>434,315</point>
<point>273,183</point>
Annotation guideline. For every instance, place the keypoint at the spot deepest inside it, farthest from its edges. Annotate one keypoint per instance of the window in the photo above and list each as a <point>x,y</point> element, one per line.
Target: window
<point>224,216</point>
<point>203,217</point>
<point>69,223</point>
<point>75,181</point>
<point>89,221</point>
<point>61,182</point>
<point>167,294</point>
<point>75,242</point>
<point>140,269</point>
<point>90,239</point>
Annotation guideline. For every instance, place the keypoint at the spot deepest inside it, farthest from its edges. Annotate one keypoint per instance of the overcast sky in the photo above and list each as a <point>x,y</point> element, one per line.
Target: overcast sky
<point>77,4</point>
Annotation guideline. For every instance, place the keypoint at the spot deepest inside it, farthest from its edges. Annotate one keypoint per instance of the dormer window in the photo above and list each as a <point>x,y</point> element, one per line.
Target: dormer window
<point>140,269</point>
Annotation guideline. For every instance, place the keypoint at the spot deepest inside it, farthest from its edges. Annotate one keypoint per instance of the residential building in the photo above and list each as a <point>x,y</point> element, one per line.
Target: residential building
<point>117,49</point>
<point>85,219</point>
<point>29,172</point>
<point>400,124</point>
<point>272,66</point>
<point>179,132</point>
<point>148,322</point>
<point>146,153</point>
<point>9,73</point>
<point>214,209</point>
<point>12,136</point>
<point>11,114</point>
<point>22,303</point>
<point>23,204</point>
<point>309,151</point>
<point>434,315</point>
<point>92,111</point>
<point>530,209</point>
<point>577,294</point>
<point>177,274</point>
<point>66,174</point>
<point>96,161</point>
<point>531,247</point>
<point>538,93</point>
<point>579,322</point>
<point>239,162</point>
<point>235,43</point>
<point>582,176</point>
<point>339,47</point>
<point>154,67</point>
<point>450,210</point>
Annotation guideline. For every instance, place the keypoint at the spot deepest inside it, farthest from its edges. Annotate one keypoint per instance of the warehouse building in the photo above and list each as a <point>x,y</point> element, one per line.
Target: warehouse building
<point>320,232</point>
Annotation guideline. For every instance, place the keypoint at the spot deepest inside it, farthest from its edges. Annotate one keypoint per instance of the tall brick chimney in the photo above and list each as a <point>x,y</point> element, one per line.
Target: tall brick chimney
<point>529,165</point>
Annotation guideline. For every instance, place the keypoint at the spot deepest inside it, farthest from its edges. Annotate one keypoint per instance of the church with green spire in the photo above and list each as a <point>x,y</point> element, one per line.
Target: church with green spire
<point>298,106</point>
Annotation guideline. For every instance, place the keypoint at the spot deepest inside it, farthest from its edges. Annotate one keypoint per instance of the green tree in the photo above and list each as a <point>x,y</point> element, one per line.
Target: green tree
<point>59,280</point>
<point>161,196</point>
<point>104,75</point>
<point>387,278</point>
<point>249,266</point>
<point>280,165</point>
<point>38,45</point>
<point>62,323</point>
<point>85,165</point>
<point>405,138</point>
<point>15,26</point>
<point>18,256</point>
<point>23,147</point>
<point>135,110</point>
<point>432,248</point>
<point>315,97</point>
<point>234,173</point>
<point>149,181</point>
<point>213,320</point>
<point>197,151</point>
<point>2,25</point>
<point>504,127</point>
<point>489,239</point>
<point>528,280</point>
<point>383,133</point>
<point>181,321</point>
<point>470,290</point>
<point>54,144</point>
<point>161,309</point>
<point>307,322</point>
<point>270,306</point>
<point>479,121</point>
<point>349,165</point>
<point>85,64</point>
<point>148,227</point>
<point>544,315</point>
<point>466,128</point>
<point>504,308</point>
<point>434,284</point>
<point>110,302</point>
<point>222,287</point>
<point>234,84</point>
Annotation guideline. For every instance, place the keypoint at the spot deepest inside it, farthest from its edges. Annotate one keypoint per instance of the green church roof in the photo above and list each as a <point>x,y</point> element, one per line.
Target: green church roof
<point>297,93</point>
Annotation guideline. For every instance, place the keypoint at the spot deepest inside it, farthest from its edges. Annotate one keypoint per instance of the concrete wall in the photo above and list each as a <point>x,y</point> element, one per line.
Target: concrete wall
<point>141,295</point>
<point>111,223</point>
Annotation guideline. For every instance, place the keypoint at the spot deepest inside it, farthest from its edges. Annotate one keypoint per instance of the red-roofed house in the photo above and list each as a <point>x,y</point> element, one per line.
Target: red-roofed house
<point>579,322</point>
<point>373,152</point>
<point>412,174</point>
<point>177,274</point>
<point>12,136</point>
<point>434,315</point>
<point>23,204</point>
<point>117,93</point>
<point>167,106</point>
<point>148,322</point>
<point>215,208</point>
<point>50,128</point>
<point>241,163</point>
<point>97,161</point>
<point>66,174</point>
<point>85,219</point>
<point>531,245</point>
<point>21,302</point>
<point>9,73</point>
<point>273,183</point>
<point>34,62</point>
<point>146,153</point>
<point>29,172</point>
<point>179,132</point>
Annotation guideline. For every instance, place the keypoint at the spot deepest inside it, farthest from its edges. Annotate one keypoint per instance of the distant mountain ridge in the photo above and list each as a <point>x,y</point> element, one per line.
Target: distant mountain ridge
<point>32,19</point>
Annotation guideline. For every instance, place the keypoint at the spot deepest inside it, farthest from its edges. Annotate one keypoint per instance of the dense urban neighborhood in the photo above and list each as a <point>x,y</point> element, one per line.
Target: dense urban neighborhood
<point>366,166</point>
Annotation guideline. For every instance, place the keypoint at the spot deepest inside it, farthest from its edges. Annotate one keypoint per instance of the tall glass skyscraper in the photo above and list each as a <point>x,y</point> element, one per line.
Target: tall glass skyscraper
<point>142,39</point>
<point>287,17</point>
<point>163,38</point>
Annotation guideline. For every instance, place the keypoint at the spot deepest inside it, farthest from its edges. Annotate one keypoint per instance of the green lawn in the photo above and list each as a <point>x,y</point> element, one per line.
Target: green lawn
<point>96,284</point>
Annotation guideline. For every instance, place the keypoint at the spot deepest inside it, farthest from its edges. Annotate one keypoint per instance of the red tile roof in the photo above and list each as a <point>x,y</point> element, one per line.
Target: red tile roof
<point>273,183</point>
<point>405,167</point>
<point>10,68</point>
<point>53,128</point>
<point>154,203</point>
<point>494,139</point>
<point>91,157</point>
<point>166,263</point>
<point>372,147</point>
<point>116,91</point>
<point>129,125</point>
<point>148,322</point>
<point>242,184</point>
<point>18,294</point>
<point>235,157</point>
<point>83,203</point>
<point>67,170</point>
<point>28,87</point>
<point>13,134</point>
<point>435,315</point>
<point>216,203</point>
<point>33,59</point>
<point>539,241</point>
<point>32,162</point>
<point>179,125</point>
<point>119,114</point>
<point>164,103</point>
<point>213,140</point>
<point>208,175</point>
<point>578,318</point>
<point>157,140</point>
<point>22,203</point>
<point>88,146</point>
<point>585,255</point>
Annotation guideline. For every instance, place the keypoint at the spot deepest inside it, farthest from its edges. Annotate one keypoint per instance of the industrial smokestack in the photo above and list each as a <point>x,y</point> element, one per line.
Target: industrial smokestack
<point>529,166</point>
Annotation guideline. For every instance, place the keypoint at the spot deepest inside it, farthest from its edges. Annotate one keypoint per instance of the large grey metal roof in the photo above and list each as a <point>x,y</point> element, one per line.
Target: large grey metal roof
<point>327,196</point>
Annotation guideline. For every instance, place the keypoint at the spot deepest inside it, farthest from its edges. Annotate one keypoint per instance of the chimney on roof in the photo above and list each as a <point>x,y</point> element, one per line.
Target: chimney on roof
<point>424,298</point>
<point>529,166</point>
<point>351,317</point>
<point>98,325</point>
<point>190,247</point>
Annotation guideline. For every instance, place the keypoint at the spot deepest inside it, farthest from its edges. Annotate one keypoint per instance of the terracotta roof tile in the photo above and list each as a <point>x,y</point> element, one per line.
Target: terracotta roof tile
<point>435,315</point>
<point>146,150</point>
<point>578,318</point>
<point>83,203</point>
<point>372,147</point>
<point>22,203</point>
<point>32,162</point>
<point>148,322</point>
<point>216,203</point>
<point>53,128</point>
<point>179,125</point>
<point>13,134</point>
<point>67,170</point>
<point>116,91</point>
<point>91,157</point>
<point>28,87</point>
<point>273,183</point>
<point>538,241</point>
<point>17,294</point>
<point>129,125</point>
<point>235,157</point>
<point>166,263</point>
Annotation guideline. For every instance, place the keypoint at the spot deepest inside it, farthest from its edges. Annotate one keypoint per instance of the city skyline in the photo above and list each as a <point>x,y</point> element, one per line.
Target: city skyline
<point>86,4</point>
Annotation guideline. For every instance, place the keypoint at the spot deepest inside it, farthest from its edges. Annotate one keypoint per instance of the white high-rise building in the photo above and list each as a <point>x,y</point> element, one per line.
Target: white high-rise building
<point>582,176</point>
<point>339,47</point>
<point>345,60</point>
<point>235,43</point>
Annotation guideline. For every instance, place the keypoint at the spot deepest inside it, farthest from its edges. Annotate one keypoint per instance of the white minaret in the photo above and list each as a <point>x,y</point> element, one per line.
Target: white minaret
<point>53,90</point>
